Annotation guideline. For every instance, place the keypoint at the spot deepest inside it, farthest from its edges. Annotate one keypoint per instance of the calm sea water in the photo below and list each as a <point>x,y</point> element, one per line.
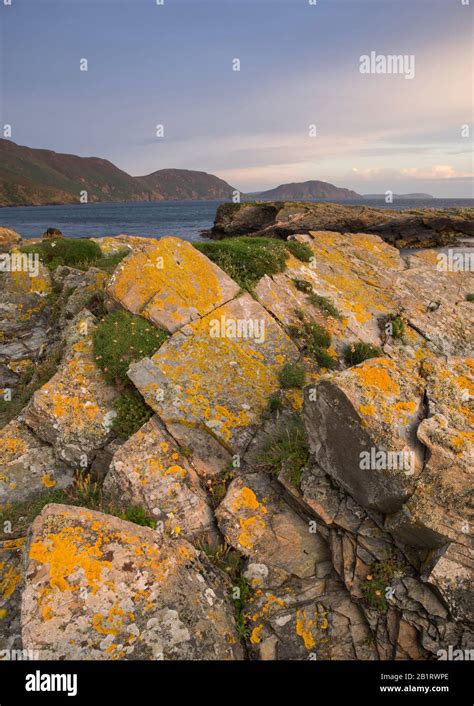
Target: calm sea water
<point>185,219</point>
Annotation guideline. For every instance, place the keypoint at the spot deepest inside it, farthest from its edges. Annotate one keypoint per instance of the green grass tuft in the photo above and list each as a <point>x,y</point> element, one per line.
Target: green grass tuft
<point>301,251</point>
<point>324,304</point>
<point>288,450</point>
<point>303,286</point>
<point>120,339</point>
<point>246,259</point>
<point>132,414</point>
<point>355,353</point>
<point>470,297</point>
<point>292,375</point>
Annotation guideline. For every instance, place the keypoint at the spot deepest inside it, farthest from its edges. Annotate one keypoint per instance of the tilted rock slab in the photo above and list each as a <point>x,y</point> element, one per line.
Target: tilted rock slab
<point>298,609</point>
<point>434,303</point>
<point>356,418</point>
<point>209,378</point>
<point>355,271</point>
<point>24,320</point>
<point>149,471</point>
<point>100,588</point>
<point>170,283</point>
<point>27,465</point>
<point>74,410</point>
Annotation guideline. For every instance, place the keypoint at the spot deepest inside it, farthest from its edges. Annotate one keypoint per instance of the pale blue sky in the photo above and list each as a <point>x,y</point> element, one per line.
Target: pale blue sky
<point>172,64</point>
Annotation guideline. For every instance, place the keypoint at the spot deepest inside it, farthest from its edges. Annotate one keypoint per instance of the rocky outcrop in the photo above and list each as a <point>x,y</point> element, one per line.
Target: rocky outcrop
<point>408,228</point>
<point>132,593</point>
<point>269,522</point>
<point>11,584</point>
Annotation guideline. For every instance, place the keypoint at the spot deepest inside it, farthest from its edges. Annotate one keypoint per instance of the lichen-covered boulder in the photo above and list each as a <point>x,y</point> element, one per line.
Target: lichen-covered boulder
<point>212,377</point>
<point>297,608</point>
<point>254,518</point>
<point>170,283</point>
<point>9,239</point>
<point>101,588</point>
<point>438,511</point>
<point>434,303</point>
<point>74,410</point>
<point>362,428</point>
<point>24,319</point>
<point>355,272</point>
<point>27,465</point>
<point>11,580</point>
<point>150,471</point>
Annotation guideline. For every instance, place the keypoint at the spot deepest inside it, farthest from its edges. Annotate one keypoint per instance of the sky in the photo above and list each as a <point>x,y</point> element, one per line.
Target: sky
<point>299,108</point>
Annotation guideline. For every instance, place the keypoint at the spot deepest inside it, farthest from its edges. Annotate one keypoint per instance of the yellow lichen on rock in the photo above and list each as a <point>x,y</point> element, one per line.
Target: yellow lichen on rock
<point>170,283</point>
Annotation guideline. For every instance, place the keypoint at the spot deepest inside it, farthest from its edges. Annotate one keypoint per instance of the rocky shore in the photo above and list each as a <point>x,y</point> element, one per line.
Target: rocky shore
<point>257,448</point>
<point>410,228</point>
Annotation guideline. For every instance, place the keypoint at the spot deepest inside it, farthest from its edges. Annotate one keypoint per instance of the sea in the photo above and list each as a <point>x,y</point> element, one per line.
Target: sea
<point>184,219</point>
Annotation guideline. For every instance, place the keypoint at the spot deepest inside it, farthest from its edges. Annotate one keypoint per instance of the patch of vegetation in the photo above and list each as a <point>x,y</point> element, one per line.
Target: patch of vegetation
<point>288,450</point>
<point>120,339</point>
<point>380,576</point>
<point>217,485</point>
<point>301,251</point>
<point>303,286</point>
<point>324,304</point>
<point>246,259</point>
<point>108,263</point>
<point>132,413</point>
<point>275,402</point>
<point>65,251</point>
<point>241,620</point>
<point>470,297</point>
<point>292,375</point>
<point>80,253</point>
<point>316,340</point>
<point>226,558</point>
<point>229,560</point>
<point>355,353</point>
<point>84,492</point>
<point>397,327</point>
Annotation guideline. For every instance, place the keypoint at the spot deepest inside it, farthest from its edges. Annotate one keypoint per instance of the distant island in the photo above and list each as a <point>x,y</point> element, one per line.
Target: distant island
<point>415,197</point>
<point>34,177</point>
<point>304,191</point>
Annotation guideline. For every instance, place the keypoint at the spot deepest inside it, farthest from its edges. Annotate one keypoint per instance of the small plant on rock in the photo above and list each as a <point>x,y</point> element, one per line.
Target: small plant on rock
<point>470,297</point>
<point>355,353</point>
<point>301,251</point>
<point>288,450</point>
<point>303,286</point>
<point>324,304</point>
<point>292,375</point>
<point>132,413</point>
